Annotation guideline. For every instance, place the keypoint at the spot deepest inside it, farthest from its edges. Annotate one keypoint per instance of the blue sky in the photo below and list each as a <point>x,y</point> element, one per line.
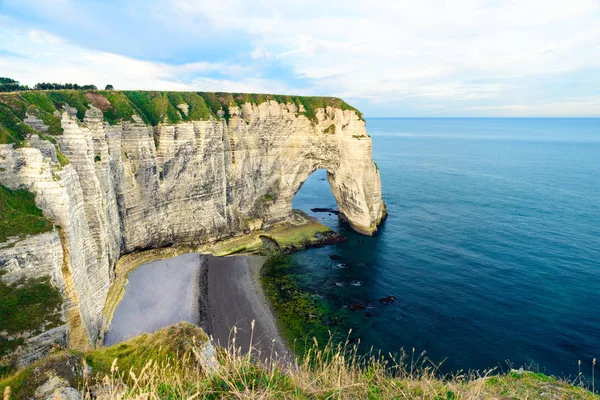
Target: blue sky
<point>388,58</point>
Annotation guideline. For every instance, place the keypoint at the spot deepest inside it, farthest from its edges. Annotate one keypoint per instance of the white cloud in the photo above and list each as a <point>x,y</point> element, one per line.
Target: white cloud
<point>434,54</point>
<point>574,107</point>
<point>38,56</point>
<point>44,38</point>
<point>417,48</point>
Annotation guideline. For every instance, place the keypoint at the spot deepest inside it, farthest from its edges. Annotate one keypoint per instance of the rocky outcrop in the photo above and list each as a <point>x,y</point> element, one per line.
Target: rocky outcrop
<point>131,186</point>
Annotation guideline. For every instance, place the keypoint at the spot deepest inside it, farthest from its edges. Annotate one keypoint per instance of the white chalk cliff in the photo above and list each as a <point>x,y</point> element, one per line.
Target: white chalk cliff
<point>132,186</point>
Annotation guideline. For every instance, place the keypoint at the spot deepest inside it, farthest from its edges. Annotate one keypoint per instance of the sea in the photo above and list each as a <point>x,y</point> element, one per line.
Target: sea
<point>491,248</point>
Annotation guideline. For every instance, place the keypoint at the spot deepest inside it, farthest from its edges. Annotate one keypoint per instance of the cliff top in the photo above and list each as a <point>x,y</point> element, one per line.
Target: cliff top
<point>153,107</point>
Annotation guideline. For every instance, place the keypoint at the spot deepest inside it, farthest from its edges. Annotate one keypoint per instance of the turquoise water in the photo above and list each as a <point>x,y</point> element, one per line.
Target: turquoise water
<point>491,248</point>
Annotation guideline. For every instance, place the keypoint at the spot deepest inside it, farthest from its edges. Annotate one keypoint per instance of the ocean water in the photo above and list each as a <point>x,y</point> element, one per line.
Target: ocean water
<point>491,248</point>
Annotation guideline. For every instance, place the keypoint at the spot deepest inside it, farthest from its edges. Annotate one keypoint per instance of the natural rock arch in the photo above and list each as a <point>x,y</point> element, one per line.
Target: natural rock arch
<point>131,186</point>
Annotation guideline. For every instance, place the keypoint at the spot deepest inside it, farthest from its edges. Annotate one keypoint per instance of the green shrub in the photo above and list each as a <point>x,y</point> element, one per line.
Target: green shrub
<point>62,159</point>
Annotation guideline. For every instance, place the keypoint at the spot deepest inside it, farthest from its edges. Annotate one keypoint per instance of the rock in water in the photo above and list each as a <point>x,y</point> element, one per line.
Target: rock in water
<point>356,307</point>
<point>326,210</point>
<point>387,300</point>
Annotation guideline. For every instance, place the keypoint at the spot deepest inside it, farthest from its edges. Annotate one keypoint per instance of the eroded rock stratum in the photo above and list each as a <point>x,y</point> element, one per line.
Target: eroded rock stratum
<point>117,172</point>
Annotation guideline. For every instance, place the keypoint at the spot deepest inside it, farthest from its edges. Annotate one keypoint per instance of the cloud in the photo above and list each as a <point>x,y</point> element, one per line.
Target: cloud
<point>576,106</point>
<point>428,54</point>
<point>44,38</point>
<point>43,57</point>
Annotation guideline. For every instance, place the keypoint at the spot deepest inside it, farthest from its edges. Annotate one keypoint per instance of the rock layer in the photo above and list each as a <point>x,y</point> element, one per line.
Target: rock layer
<point>132,186</point>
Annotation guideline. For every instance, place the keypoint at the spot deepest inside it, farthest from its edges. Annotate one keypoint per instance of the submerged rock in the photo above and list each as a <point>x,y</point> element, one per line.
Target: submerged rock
<point>387,300</point>
<point>356,306</point>
<point>335,257</point>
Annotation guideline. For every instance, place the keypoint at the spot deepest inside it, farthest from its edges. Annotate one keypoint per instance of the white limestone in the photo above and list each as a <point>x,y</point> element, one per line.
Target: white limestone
<point>131,186</point>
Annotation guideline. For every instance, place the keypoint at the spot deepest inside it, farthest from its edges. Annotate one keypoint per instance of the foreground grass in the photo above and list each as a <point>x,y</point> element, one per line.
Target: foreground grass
<point>165,365</point>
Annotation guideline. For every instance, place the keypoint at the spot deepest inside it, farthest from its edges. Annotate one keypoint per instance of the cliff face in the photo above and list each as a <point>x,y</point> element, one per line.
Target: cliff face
<point>131,184</point>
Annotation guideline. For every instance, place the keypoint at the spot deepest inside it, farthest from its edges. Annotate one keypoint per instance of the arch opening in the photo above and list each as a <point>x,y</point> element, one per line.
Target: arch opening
<point>315,198</point>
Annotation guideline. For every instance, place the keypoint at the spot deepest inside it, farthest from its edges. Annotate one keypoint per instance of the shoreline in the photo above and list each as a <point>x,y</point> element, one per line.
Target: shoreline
<point>228,290</point>
<point>222,295</point>
<point>236,299</point>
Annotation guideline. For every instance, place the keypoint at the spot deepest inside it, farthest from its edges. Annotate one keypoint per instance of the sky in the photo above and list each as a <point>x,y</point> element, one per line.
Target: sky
<point>392,58</point>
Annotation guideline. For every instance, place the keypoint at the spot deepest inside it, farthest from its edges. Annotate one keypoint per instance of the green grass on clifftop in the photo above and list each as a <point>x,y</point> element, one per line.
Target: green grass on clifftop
<point>19,215</point>
<point>153,107</point>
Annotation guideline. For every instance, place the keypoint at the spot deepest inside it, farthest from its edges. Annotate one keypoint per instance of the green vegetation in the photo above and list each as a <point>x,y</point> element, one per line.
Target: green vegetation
<point>74,98</point>
<point>119,107</point>
<point>151,106</point>
<point>10,85</point>
<point>158,107</point>
<point>298,312</point>
<point>164,365</point>
<point>160,347</point>
<point>48,118</point>
<point>109,87</point>
<point>286,237</point>
<point>62,86</point>
<point>98,158</point>
<point>40,100</point>
<point>62,159</point>
<point>24,384</point>
<point>12,129</point>
<point>223,101</point>
<point>29,305</point>
<point>19,216</point>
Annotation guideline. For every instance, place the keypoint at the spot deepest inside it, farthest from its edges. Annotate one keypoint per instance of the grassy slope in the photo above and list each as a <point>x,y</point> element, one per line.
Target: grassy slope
<point>161,347</point>
<point>151,106</point>
<point>19,216</point>
<point>30,305</point>
<point>162,365</point>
